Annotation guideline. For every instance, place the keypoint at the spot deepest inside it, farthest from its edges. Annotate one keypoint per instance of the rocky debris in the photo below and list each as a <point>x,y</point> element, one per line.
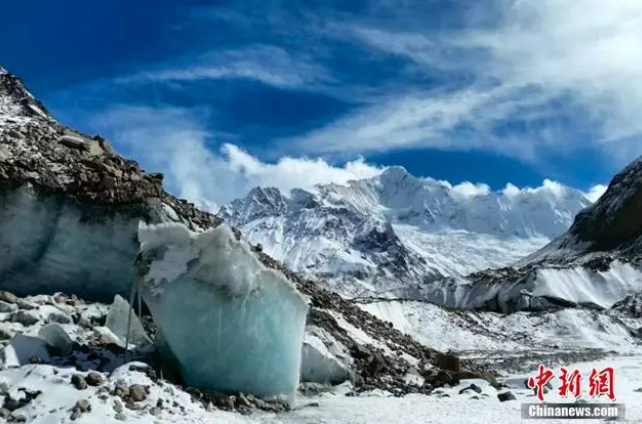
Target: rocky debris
<point>5,335</point>
<point>7,297</point>
<point>26,318</point>
<point>241,403</point>
<point>27,306</point>
<point>75,165</point>
<point>506,396</point>
<point>448,361</point>
<point>631,305</point>
<point>475,388</point>
<point>79,382</point>
<point>138,393</point>
<point>7,307</point>
<point>94,379</point>
<point>81,407</point>
<point>24,397</point>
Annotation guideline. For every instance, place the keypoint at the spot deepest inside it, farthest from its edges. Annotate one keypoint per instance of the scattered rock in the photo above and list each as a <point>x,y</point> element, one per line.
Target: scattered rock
<point>57,338</point>
<point>475,388</point>
<point>26,396</point>
<point>448,361</point>
<point>83,405</point>
<point>75,414</point>
<point>17,418</point>
<point>25,318</point>
<point>94,379</point>
<point>137,393</point>
<point>79,382</point>
<point>121,417</point>
<point>6,307</point>
<point>59,317</point>
<point>27,306</point>
<point>506,396</point>
<point>5,335</point>
<point>5,296</point>
<point>118,406</point>
<point>122,392</point>
<point>156,411</point>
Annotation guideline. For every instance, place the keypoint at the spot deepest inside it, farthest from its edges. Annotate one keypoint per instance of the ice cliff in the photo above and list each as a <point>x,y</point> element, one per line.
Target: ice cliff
<point>70,206</point>
<point>250,318</point>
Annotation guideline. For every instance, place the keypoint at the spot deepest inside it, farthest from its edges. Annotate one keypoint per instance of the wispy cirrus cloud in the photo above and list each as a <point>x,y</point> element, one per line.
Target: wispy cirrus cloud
<point>528,62</point>
<point>268,64</point>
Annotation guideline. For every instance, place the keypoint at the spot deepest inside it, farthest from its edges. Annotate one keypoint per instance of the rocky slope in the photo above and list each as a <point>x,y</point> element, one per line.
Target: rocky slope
<point>380,236</point>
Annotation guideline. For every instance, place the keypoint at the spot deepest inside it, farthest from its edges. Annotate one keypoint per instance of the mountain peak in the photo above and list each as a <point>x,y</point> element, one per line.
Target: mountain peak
<point>16,101</point>
<point>395,173</point>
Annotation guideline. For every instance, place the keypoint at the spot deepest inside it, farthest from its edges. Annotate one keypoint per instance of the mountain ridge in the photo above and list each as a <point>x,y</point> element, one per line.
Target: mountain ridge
<point>383,233</point>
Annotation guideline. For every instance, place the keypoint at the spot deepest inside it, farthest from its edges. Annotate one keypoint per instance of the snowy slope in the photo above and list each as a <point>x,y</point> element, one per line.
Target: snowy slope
<point>474,333</point>
<point>384,234</point>
<point>595,264</point>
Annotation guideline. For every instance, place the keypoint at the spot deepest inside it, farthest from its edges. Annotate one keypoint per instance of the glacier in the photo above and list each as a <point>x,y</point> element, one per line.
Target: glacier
<point>226,321</point>
<point>49,243</point>
<point>540,288</point>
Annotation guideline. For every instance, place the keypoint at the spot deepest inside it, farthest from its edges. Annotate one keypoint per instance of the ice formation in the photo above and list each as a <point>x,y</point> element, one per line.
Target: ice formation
<point>119,316</point>
<point>577,285</point>
<point>228,323</point>
<point>324,359</point>
<point>50,244</point>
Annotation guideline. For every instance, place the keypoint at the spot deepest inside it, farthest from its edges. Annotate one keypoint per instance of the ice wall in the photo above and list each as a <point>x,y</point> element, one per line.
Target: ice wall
<point>228,322</point>
<point>51,243</point>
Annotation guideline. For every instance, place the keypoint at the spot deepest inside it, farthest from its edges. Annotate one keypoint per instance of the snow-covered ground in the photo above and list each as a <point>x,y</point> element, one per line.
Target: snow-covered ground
<point>471,332</point>
<point>58,398</point>
<point>42,388</point>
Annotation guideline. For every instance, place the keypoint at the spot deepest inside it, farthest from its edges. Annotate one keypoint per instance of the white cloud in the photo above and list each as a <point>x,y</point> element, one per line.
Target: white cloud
<point>288,172</point>
<point>468,189</point>
<point>271,65</point>
<point>511,190</point>
<point>596,192</point>
<point>174,141</point>
<point>586,52</point>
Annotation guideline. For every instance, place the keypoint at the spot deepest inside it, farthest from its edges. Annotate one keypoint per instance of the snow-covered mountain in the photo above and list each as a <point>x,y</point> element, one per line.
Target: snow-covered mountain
<point>384,234</point>
<point>595,264</point>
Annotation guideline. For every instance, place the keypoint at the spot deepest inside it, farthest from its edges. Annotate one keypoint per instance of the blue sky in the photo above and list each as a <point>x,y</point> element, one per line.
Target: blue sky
<point>221,96</point>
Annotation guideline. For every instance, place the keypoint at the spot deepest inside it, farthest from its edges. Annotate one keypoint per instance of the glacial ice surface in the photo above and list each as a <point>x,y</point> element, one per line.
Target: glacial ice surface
<point>228,323</point>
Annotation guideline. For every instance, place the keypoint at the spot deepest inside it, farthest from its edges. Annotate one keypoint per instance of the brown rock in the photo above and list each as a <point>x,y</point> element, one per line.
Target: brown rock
<point>448,361</point>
